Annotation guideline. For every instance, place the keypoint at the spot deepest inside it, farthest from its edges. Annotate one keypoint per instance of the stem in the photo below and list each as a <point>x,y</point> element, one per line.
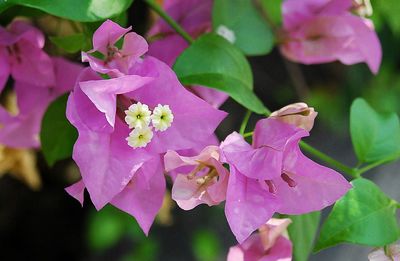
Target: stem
<point>156,8</point>
<point>247,134</point>
<point>331,161</point>
<point>244,122</point>
<point>376,164</point>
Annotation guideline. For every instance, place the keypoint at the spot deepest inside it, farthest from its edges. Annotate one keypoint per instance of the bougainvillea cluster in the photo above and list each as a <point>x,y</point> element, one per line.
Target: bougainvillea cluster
<point>271,175</point>
<point>139,127</point>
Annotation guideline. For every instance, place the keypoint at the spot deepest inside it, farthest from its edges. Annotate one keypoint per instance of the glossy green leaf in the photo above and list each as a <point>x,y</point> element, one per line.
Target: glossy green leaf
<point>365,215</point>
<point>213,62</point>
<point>375,136</point>
<point>302,233</point>
<point>78,10</point>
<point>252,34</point>
<point>57,135</point>
<point>71,43</point>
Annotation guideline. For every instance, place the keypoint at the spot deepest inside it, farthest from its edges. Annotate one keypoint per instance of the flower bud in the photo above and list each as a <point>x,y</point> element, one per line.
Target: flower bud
<point>298,114</point>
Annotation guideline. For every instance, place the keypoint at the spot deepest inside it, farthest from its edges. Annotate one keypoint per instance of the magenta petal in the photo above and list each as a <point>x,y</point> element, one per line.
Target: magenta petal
<point>281,251</point>
<point>103,93</point>
<point>77,191</point>
<point>4,68</point>
<point>371,52</point>
<point>134,46</point>
<point>214,97</point>
<point>143,196</point>
<point>263,163</point>
<point>168,48</point>
<point>316,186</point>
<point>116,162</point>
<point>252,250</point>
<point>32,65</point>
<point>24,30</point>
<point>22,130</point>
<point>99,65</point>
<point>84,113</point>
<point>107,34</point>
<point>173,160</point>
<point>339,38</point>
<point>66,74</point>
<point>187,195</point>
<point>194,119</point>
<point>275,134</point>
<point>235,254</point>
<point>233,142</point>
<point>248,205</point>
<point>296,12</point>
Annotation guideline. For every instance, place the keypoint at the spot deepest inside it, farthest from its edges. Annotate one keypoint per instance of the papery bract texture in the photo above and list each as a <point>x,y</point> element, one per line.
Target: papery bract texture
<point>202,178</point>
<point>273,175</point>
<point>21,55</point>
<point>22,129</point>
<point>113,169</point>
<point>116,61</point>
<point>267,245</point>
<point>317,31</point>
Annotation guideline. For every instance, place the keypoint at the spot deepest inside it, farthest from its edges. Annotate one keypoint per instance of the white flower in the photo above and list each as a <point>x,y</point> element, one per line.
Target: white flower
<point>140,137</point>
<point>227,33</point>
<point>138,115</point>
<point>162,117</point>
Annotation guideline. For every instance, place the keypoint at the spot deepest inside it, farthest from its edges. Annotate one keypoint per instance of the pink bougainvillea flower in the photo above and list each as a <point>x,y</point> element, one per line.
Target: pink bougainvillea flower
<point>298,114</point>
<point>116,61</point>
<point>22,129</point>
<point>269,244</point>
<point>165,44</point>
<point>204,179</point>
<point>21,55</point>
<point>392,253</point>
<point>321,31</point>
<point>125,126</point>
<point>272,176</point>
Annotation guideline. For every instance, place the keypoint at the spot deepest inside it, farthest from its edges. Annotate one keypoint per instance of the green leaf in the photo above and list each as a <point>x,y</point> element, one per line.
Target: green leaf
<point>375,136</point>
<point>71,43</point>
<point>252,34</point>
<point>365,215</point>
<point>213,62</point>
<point>273,9</point>
<point>302,233</point>
<point>57,135</point>
<point>206,246</point>
<point>78,10</point>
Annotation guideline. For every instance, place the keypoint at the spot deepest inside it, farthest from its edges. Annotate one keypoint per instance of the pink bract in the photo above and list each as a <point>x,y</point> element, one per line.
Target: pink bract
<point>321,31</point>
<point>202,178</point>
<point>267,245</point>
<point>131,179</point>
<point>21,55</point>
<point>116,61</point>
<point>272,176</point>
<point>22,130</point>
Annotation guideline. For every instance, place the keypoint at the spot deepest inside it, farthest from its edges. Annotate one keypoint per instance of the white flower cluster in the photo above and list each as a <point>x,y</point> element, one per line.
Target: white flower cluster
<point>139,117</point>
